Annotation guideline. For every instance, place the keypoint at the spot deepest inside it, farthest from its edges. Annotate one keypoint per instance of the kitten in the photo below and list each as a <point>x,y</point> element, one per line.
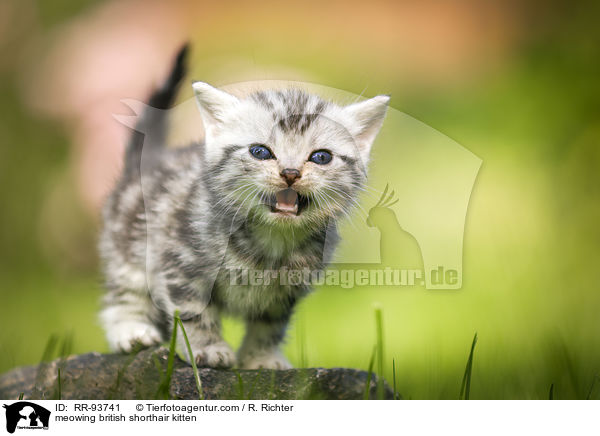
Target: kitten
<point>276,170</point>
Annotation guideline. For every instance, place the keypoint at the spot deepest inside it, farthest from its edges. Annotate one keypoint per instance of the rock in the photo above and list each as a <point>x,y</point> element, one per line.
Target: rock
<point>95,376</point>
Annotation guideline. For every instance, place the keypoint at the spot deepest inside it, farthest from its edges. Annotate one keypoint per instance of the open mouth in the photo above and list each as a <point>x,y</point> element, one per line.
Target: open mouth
<point>288,202</point>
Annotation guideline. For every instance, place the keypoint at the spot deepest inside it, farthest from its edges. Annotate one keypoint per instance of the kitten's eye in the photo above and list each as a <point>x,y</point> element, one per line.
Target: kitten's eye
<point>321,157</point>
<point>261,152</point>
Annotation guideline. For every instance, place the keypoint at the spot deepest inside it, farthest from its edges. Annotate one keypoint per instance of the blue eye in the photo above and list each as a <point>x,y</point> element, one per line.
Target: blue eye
<point>321,157</point>
<point>261,152</point>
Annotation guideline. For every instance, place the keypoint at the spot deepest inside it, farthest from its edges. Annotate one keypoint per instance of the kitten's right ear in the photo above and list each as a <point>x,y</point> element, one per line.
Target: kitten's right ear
<point>212,102</point>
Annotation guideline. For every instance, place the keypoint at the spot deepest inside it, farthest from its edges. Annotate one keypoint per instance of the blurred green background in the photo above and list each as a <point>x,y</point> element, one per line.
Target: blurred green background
<point>515,83</point>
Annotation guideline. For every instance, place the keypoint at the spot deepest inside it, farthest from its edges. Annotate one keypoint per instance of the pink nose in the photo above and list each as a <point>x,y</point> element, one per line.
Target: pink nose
<point>290,175</point>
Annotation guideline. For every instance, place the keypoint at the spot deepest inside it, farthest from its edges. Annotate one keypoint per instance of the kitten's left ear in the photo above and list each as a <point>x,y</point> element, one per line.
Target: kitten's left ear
<point>366,120</point>
<point>213,103</point>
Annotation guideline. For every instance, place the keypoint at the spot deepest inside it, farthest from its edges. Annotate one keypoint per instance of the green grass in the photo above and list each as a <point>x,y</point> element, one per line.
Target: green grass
<point>60,347</point>
<point>465,388</point>
<point>380,354</point>
<point>190,356</point>
<point>56,348</point>
<point>49,349</point>
<point>370,373</point>
<point>301,345</point>
<point>395,391</point>
<point>415,371</point>
<point>59,381</point>
<point>163,391</point>
<point>592,386</point>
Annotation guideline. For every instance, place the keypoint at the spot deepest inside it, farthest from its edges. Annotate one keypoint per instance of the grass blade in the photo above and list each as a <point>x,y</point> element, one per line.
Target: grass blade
<point>589,395</point>
<point>370,374</point>
<point>191,355</point>
<point>66,346</point>
<point>380,355</point>
<point>551,393</point>
<point>240,385</point>
<point>301,343</point>
<point>49,349</point>
<point>163,391</point>
<point>272,386</point>
<point>465,388</point>
<point>21,395</point>
<point>59,386</point>
<point>394,379</point>
<point>253,385</point>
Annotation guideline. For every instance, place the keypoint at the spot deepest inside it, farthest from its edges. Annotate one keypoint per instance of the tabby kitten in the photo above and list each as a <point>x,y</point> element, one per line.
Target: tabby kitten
<point>276,170</point>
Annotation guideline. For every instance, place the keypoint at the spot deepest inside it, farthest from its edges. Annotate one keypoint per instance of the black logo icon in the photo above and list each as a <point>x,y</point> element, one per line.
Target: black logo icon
<point>26,415</point>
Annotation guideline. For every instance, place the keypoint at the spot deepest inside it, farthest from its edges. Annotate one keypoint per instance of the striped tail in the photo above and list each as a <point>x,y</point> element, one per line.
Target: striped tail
<point>150,131</point>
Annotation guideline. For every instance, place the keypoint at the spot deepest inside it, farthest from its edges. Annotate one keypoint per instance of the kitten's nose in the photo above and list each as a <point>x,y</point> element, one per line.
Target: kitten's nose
<point>290,175</point>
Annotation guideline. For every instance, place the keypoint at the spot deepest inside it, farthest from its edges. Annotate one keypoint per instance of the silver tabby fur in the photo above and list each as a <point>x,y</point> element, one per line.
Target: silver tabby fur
<point>181,220</point>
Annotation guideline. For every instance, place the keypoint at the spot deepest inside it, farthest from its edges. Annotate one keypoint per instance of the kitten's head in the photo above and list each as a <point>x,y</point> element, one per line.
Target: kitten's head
<point>292,158</point>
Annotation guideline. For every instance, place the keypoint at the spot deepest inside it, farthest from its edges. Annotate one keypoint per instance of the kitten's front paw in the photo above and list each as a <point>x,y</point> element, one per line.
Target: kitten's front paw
<point>217,355</point>
<point>266,360</point>
<point>124,336</point>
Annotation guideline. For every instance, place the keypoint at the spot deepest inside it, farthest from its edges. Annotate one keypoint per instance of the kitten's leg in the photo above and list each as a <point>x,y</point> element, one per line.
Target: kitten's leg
<point>260,348</point>
<point>204,333</point>
<point>126,319</point>
<point>201,319</point>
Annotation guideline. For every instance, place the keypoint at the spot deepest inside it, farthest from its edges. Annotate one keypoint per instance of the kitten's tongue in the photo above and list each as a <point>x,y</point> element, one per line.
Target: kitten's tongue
<point>287,201</point>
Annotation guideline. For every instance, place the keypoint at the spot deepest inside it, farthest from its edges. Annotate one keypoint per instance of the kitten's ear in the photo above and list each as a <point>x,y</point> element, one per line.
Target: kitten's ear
<point>212,102</point>
<point>366,118</point>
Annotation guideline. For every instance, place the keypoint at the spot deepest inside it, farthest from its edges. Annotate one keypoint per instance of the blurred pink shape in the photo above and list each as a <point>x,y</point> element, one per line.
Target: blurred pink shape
<point>119,49</point>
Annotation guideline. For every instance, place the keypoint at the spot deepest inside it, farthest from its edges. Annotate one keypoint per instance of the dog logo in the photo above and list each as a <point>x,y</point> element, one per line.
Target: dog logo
<point>26,415</point>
